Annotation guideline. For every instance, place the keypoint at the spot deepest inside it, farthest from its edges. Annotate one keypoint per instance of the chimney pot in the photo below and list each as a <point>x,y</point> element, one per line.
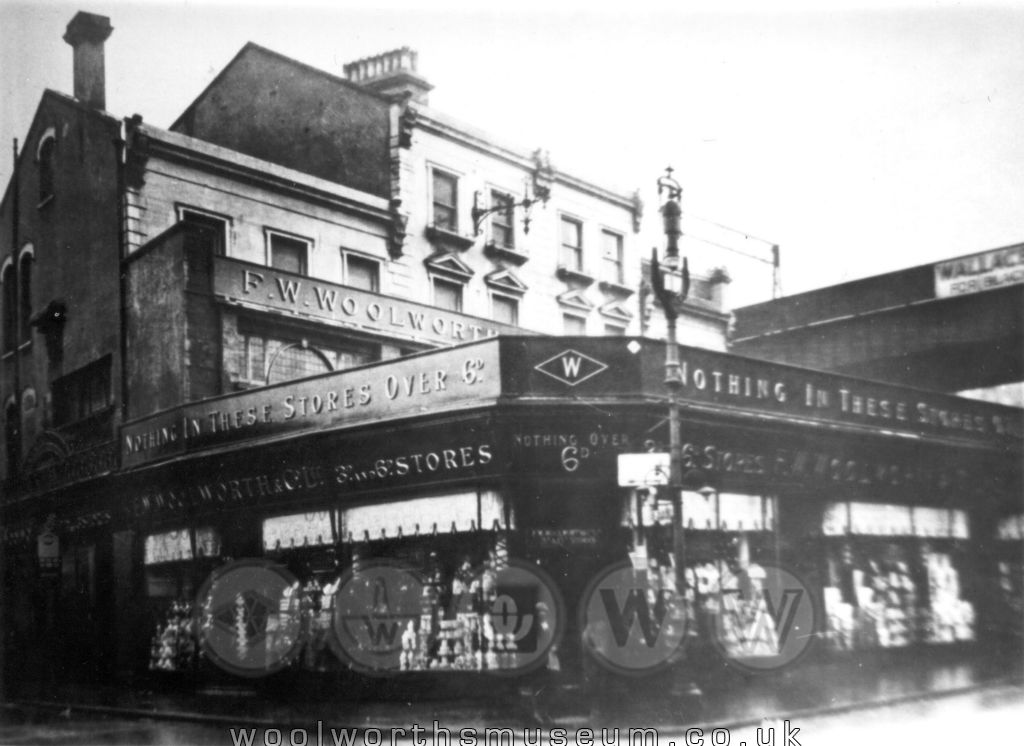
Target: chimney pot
<point>391,74</point>
<point>86,33</point>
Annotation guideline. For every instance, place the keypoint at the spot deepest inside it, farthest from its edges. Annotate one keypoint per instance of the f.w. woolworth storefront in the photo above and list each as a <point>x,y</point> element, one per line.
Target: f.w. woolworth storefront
<point>899,509</point>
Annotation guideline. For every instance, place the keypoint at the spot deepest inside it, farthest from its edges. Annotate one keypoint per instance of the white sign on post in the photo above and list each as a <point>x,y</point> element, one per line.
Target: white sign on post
<point>643,469</point>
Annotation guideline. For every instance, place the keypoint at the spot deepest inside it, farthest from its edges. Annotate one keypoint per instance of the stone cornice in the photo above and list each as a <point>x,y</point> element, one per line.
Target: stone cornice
<point>215,159</point>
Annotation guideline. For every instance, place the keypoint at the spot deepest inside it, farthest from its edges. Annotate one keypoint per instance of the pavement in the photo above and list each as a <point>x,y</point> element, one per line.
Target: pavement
<point>728,698</point>
<point>987,714</point>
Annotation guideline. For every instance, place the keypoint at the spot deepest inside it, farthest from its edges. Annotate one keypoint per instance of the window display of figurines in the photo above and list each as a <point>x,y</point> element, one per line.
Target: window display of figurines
<point>174,646</point>
<point>453,626</point>
<point>175,562</point>
<point>456,630</point>
<point>317,568</point>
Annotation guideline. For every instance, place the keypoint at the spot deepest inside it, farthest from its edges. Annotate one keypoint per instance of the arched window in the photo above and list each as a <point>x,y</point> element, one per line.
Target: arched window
<point>25,294</point>
<point>296,360</point>
<point>10,308</point>
<point>45,158</point>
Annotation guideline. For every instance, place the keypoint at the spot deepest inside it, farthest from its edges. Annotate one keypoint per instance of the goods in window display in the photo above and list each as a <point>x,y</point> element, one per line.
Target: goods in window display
<point>894,602</point>
<point>744,628</point>
<point>173,647</point>
<point>950,618</point>
<point>446,624</point>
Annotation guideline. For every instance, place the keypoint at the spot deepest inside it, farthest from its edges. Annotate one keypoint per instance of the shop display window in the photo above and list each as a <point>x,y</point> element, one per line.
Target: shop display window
<point>724,548</point>
<point>173,570</point>
<point>458,559</point>
<point>297,531</point>
<point>727,538</point>
<point>1010,573</point>
<point>456,630</point>
<point>892,576</point>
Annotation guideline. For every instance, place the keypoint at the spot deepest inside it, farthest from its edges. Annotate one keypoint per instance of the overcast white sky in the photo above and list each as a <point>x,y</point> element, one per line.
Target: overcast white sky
<point>860,136</point>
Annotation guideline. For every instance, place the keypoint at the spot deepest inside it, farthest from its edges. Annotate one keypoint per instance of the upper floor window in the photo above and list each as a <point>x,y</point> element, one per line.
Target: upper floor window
<point>574,324</point>
<point>613,330</point>
<point>82,393</point>
<point>287,253</point>
<point>272,359</point>
<point>447,294</point>
<point>505,310</point>
<point>572,244</point>
<point>362,272</point>
<point>215,228</point>
<point>10,308</point>
<point>611,250</point>
<point>502,224</point>
<point>45,157</point>
<point>25,296</point>
<point>445,196</point>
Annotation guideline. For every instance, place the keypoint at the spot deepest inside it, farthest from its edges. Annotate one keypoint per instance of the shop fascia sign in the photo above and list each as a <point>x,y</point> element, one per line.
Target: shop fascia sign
<point>987,270</point>
<point>436,382</point>
<point>758,386</point>
<point>623,368</point>
<point>321,301</point>
<point>611,368</point>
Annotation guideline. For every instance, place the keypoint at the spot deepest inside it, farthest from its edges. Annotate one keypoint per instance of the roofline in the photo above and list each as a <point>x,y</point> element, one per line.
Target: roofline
<point>454,129</point>
<point>62,99</point>
<point>868,278</point>
<point>437,121</point>
<point>182,147</point>
<point>253,46</point>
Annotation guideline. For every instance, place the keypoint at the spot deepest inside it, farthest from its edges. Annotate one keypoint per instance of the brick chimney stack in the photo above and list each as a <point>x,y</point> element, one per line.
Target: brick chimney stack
<point>391,74</point>
<point>86,34</point>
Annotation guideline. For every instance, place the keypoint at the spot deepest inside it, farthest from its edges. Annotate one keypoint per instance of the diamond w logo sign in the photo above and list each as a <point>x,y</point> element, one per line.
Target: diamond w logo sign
<point>571,367</point>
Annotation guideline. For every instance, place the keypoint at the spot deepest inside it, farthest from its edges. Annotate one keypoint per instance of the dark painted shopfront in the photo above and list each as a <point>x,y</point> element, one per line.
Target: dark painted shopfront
<point>899,508</point>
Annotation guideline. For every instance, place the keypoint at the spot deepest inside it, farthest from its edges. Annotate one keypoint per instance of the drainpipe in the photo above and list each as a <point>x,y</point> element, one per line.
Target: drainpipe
<point>121,196</point>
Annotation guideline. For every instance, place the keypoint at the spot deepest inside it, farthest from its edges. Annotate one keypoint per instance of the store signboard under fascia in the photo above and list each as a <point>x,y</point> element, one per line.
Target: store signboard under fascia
<point>568,370</point>
<point>977,273</point>
<point>643,469</point>
<point>322,301</point>
<point>757,386</point>
<point>577,368</point>
<point>436,382</point>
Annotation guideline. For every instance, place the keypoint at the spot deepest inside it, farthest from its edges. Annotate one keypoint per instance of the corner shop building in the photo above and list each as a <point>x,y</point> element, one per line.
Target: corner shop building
<point>900,507</point>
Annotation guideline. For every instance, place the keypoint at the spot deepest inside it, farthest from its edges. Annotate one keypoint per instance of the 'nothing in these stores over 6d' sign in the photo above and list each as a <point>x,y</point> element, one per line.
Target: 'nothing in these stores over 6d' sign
<point>439,382</point>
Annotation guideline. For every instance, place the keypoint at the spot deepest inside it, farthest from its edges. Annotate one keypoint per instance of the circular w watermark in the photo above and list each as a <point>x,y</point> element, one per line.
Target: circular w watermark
<point>249,617</point>
<point>632,622</point>
<point>762,618</point>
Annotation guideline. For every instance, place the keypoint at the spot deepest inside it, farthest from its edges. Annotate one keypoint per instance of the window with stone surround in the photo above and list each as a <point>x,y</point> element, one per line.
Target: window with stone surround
<point>445,198</point>
<point>288,253</point>
<point>571,256</point>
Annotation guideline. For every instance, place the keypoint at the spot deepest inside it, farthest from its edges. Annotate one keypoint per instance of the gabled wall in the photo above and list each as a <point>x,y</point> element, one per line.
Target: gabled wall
<point>282,111</point>
<point>74,239</point>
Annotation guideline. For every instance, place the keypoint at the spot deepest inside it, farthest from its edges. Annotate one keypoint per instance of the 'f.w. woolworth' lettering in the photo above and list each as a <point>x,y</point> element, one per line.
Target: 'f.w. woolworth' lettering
<point>239,282</point>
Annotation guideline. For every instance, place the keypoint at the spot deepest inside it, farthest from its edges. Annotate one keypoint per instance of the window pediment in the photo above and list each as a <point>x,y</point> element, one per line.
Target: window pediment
<point>617,311</point>
<point>577,300</point>
<point>449,265</point>
<point>505,281</point>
